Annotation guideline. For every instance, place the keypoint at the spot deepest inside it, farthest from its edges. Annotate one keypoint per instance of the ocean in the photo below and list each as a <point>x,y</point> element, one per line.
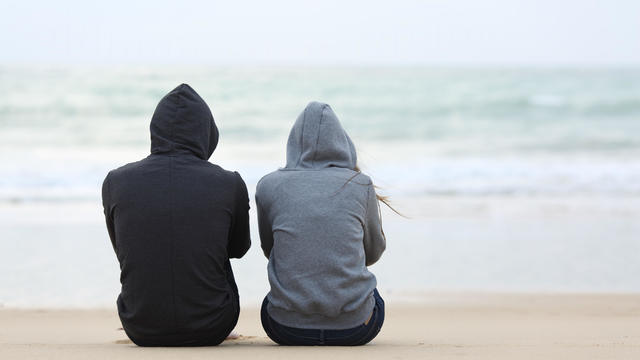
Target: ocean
<point>511,179</point>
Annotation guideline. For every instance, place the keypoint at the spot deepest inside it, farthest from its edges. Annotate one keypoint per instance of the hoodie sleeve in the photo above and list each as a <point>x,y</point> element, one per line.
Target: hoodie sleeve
<point>239,238</point>
<point>106,205</point>
<point>374,239</point>
<point>264,226</point>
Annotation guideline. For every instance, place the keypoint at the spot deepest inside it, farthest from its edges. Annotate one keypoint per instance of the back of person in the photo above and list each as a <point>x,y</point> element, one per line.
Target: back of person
<point>320,228</point>
<point>175,220</point>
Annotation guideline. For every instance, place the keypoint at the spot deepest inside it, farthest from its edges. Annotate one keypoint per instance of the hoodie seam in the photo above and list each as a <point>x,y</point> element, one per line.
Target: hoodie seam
<point>171,211</point>
<point>234,208</point>
<point>366,204</point>
<point>304,120</point>
<point>173,122</point>
<point>171,243</point>
<point>315,149</point>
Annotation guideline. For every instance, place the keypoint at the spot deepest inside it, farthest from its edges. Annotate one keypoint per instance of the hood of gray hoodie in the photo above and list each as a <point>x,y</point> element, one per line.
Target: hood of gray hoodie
<point>317,141</point>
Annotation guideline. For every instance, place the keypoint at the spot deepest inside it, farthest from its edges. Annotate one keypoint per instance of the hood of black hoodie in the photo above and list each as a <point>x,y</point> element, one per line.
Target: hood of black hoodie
<point>317,140</point>
<point>183,123</point>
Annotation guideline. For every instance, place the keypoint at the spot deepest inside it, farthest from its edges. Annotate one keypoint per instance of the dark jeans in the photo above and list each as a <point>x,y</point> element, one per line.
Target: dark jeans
<point>359,335</point>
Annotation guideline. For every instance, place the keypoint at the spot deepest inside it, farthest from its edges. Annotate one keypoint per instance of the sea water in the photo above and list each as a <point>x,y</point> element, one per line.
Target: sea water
<point>512,179</point>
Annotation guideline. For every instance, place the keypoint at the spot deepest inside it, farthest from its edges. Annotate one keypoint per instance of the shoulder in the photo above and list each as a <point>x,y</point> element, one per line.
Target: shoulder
<point>358,179</point>
<point>121,171</point>
<point>270,178</point>
<point>360,185</point>
<point>362,179</point>
<point>269,182</point>
<point>222,173</point>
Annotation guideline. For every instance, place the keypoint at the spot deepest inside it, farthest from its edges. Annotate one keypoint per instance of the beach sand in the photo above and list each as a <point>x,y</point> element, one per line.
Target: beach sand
<point>433,326</point>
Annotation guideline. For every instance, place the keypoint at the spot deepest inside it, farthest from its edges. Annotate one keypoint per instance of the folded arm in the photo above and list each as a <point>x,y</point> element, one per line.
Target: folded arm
<point>264,226</point>
<point>106,205</point>
<point>374,239</point>
<point>239,237</point>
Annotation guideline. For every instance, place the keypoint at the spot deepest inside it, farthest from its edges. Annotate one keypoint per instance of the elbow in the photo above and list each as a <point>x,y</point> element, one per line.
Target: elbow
<point>239,253</point>
<point>266,251</point>
<point>374,256</point>
<point>370,260</point>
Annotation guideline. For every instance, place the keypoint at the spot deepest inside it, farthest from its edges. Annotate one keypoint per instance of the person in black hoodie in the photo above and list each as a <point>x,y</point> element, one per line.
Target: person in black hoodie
<point>174,220</point>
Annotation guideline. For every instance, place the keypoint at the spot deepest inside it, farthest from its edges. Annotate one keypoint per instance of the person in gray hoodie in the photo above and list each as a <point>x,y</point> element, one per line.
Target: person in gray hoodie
<point>320,227</point>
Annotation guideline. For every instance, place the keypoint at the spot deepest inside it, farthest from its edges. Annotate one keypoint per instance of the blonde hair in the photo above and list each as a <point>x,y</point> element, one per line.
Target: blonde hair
<point>381,198</point>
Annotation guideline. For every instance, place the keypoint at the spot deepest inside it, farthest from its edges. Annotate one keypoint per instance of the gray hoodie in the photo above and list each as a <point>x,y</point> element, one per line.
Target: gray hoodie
<point>319,225</point>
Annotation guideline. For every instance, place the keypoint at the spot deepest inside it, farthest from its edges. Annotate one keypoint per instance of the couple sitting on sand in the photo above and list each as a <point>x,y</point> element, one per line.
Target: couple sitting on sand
<point>175,219</point>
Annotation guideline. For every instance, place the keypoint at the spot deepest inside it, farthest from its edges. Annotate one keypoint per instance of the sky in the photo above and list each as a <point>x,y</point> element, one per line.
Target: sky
<point>356,32</point>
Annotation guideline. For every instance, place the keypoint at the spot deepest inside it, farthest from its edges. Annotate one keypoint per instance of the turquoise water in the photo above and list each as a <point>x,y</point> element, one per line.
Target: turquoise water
<point>486,110</point>
<point>513,179</point>
<point>461,131</point>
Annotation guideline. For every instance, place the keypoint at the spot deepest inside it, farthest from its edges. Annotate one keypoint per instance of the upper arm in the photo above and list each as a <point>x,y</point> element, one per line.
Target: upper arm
<point>374,240</point>
<point>264,224</point>
<point>239,237</point>
<point>107,209</point>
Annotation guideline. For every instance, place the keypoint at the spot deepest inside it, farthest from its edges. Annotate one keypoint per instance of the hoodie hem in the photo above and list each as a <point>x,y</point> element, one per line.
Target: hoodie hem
<point>345,320</point>
<point>196,338</point>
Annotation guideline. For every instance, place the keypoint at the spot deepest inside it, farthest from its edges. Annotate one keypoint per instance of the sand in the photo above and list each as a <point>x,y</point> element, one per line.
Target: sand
<point>438,326</point>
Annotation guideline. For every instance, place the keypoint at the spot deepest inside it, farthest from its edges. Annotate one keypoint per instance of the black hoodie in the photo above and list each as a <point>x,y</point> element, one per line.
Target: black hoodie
<point>174,220</point>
